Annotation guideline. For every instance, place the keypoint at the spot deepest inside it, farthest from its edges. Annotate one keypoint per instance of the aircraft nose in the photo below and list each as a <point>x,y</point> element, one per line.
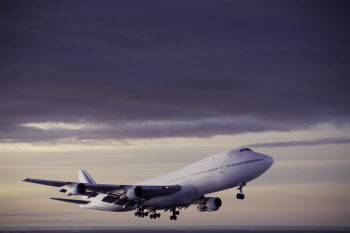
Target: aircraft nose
<point>268,160</point>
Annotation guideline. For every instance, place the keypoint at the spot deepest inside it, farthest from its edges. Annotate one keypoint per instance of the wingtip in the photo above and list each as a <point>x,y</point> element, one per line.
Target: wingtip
<point>24,180</point>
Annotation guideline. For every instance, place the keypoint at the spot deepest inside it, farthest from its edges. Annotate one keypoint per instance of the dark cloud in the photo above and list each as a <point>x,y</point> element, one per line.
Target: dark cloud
<point>272,65</point>
<point>322,141</point>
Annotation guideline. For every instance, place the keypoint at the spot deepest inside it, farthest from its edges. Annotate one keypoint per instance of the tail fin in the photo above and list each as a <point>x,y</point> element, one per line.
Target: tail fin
<point>84,177</point>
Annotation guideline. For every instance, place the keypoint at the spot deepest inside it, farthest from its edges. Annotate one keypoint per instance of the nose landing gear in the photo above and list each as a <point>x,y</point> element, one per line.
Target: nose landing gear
<point>240,195</point>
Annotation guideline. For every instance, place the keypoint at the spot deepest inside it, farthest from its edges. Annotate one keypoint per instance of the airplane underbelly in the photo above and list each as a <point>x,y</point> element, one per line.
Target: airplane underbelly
<point>187,193</point>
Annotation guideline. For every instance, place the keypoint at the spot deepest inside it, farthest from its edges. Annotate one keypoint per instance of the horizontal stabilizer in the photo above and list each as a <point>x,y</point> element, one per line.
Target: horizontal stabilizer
<point>81,202</point>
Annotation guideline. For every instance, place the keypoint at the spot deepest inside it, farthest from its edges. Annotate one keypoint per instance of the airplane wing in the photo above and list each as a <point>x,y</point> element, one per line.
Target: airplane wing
<point>46,182</point>
<point>129,191</point>
<point>80,202</point>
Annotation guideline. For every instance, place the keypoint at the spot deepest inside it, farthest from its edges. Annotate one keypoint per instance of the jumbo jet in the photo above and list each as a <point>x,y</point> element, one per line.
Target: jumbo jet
<point>172,191</point>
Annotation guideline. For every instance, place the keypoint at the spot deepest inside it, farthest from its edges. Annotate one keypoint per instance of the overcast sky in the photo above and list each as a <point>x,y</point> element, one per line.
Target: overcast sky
<point>113,81</point>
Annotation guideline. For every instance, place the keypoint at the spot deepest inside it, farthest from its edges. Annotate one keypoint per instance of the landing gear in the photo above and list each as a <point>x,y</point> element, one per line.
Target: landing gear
<point>140,212</point>
<point>240,195</point>
<point>154,215</point>
<point>174,217</point>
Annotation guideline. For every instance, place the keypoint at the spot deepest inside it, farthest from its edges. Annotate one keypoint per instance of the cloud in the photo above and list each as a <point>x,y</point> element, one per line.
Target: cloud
<point>60,125</point>
<point>170,69</point>
<point>60,131</point>
<point>322,141</point>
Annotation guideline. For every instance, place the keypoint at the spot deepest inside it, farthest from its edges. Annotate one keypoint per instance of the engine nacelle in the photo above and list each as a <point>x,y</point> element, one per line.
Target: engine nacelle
<point>76,189</point>
<point>213,204</point>
<point>134,193</point>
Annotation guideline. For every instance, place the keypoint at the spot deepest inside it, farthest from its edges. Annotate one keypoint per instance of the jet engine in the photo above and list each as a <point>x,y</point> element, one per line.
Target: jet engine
<point>76,189</point>
<point>134,193</point>
<point>212,204</point>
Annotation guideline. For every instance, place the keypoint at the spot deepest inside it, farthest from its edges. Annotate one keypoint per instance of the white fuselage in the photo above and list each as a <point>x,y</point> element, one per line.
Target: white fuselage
<point>212,174</point>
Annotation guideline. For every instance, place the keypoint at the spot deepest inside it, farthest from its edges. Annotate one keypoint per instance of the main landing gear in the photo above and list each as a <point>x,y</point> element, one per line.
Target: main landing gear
<point>174,217</point>
<point>240,195</point>
<point>154,215</point>
<point>140,213</point>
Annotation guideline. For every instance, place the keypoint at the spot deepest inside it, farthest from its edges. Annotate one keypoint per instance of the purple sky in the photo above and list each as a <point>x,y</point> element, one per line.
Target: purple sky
<point>222,67</point>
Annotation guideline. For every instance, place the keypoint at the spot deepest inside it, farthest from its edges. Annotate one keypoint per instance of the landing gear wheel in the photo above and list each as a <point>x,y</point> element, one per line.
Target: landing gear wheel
<point>175,212</point>
<point>136,213</point>
<point>146,214</point>
<point>240,195</point>
<point>158,215</point>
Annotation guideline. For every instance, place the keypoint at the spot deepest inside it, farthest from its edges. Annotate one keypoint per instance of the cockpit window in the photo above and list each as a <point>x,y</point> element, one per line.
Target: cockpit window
<point>245,149</point>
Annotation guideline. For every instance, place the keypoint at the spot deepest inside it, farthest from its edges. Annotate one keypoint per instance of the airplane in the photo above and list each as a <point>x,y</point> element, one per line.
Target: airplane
<point>171,191</point>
